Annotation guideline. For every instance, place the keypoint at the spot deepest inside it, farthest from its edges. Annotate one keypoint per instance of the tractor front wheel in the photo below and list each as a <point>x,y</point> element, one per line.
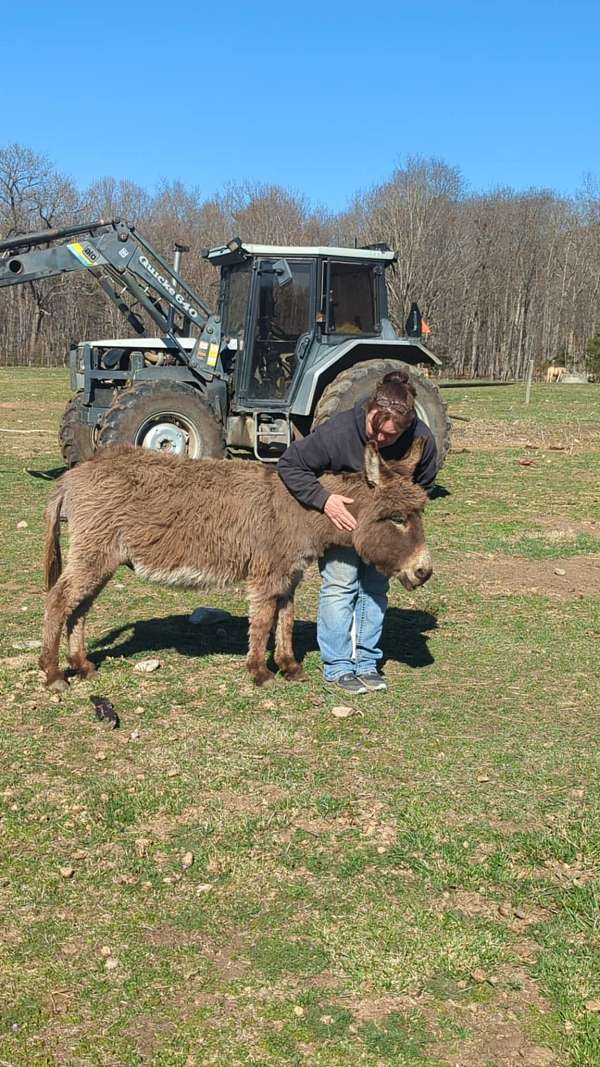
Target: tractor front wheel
<point>359,381</point>
<point>77,438</point>
<point>166,417</point>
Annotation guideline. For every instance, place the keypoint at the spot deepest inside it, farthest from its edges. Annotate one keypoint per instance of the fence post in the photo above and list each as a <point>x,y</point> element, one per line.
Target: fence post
<point>529,380</point>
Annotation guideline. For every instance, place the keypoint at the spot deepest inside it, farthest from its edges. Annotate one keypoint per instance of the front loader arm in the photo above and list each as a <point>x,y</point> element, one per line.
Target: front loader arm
<point>122,261</point>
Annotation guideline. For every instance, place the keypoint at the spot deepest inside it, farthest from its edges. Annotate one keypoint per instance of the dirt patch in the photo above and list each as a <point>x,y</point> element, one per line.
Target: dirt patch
<point>471,903</point>
<point>221,805</point>
<point>324,980</point>
<point>13,662</point>
<point>373,1009</point>
<point>510,826</point>
<point>166,936</point>
<point>513,574</point>
<point>567,874</point>
<point>225,958</point>
<point>562,527</point>
<point>492,434</point>
<point>498,1026</point>
<point>147,1032</point>
<point>371,819</point>
<point>497,1029</point>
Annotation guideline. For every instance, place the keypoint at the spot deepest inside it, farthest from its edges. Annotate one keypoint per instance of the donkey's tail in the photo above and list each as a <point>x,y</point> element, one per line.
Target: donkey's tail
<point>52,554</point>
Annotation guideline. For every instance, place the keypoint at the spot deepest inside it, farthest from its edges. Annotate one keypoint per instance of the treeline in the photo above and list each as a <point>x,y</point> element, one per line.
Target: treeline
<point>501,278</point>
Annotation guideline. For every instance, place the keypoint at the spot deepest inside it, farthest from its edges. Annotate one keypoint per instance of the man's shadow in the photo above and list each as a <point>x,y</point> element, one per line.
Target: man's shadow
<point>404,638</point>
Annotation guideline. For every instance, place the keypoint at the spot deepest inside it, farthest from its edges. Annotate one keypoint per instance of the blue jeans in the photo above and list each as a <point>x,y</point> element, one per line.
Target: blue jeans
<point>352,590</point>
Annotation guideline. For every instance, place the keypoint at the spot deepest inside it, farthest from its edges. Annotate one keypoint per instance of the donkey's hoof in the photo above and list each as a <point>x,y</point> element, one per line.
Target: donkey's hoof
<point>83,667</point>
<point>263,678</point>
<point>59,685</point>
<point>295,674</point>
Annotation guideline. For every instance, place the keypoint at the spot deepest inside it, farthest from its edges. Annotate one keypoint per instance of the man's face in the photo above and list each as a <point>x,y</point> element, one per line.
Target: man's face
<point>388,432</point>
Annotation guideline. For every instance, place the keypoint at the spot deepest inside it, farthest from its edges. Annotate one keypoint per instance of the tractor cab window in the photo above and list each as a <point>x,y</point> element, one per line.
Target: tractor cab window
<point>351,298</point>
<point>238,290</point>
<point>282,316</point>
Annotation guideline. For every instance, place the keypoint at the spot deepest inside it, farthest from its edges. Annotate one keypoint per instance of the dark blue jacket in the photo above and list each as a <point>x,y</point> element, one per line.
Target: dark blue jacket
<point>339,445</point>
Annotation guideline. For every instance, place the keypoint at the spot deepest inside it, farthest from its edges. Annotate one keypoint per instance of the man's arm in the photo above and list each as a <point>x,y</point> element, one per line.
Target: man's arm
<point>299,464</point>
<point>299,467</point>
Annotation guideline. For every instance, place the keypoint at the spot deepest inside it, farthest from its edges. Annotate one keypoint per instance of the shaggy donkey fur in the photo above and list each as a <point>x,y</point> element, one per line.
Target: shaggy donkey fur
<point>216,522</point>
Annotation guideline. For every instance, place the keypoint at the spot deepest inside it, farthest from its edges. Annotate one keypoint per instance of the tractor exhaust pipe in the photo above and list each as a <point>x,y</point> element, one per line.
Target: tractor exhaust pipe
<point>176,264</point>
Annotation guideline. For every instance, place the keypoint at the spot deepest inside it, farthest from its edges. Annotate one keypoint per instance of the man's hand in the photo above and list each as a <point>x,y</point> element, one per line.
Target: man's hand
<point>336,510</point>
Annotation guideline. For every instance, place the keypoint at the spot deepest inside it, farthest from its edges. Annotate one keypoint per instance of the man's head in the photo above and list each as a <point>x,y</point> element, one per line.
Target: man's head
<point>390,408</point>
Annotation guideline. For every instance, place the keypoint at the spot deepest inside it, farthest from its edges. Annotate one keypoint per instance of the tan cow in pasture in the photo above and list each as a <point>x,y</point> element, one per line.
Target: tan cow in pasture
<point>555,374</point>
<point>217,522</point>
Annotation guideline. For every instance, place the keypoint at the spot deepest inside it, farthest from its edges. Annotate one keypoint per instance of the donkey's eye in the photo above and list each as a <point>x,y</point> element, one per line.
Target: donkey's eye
<point>398,520</point>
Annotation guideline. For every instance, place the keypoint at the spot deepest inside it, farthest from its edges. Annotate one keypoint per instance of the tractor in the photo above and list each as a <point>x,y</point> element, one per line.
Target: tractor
<point>300,333</point>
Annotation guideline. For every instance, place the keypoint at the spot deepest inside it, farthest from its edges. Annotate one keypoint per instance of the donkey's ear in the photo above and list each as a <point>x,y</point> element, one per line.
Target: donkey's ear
<point>411,460</point>
<point>372,465</point>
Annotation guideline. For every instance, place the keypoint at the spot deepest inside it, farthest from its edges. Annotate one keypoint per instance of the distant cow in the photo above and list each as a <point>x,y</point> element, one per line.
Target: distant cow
<point>555,374</point>
<point>200,522</point>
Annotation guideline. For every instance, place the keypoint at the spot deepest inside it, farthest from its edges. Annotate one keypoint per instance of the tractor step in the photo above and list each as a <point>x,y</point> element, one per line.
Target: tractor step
<point>272,435</point>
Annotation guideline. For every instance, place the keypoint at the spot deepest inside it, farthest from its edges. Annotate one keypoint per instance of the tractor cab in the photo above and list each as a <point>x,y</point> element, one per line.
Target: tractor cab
<point>278,302</point>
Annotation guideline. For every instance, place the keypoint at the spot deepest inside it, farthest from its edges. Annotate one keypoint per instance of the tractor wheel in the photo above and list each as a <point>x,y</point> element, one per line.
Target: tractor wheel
<point>165,416</point>
<point>76,438</point>
<point>358,382</point>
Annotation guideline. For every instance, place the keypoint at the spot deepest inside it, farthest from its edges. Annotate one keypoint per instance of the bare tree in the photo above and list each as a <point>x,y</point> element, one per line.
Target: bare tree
<point>501,278</point>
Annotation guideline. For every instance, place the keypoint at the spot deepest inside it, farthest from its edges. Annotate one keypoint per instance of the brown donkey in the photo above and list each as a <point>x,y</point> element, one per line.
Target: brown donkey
<point>216,522</point>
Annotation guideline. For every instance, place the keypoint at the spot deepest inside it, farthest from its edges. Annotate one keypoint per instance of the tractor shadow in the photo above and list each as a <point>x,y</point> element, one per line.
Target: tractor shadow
<point>404,638</point>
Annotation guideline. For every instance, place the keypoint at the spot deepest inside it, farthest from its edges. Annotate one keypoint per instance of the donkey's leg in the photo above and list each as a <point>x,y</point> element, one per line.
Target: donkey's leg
<point>84,590</point>
<point>54,618</point>
<point>76,634</point>
<point>284,649</point>
<point>70,599</point>
<point>262,616</point>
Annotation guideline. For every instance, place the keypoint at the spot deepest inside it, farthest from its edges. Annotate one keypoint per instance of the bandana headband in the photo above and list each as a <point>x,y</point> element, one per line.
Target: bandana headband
<point>388,402</point>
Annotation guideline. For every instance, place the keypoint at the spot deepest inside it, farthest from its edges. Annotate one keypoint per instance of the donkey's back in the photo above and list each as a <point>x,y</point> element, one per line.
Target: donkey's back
<point>180,521</point>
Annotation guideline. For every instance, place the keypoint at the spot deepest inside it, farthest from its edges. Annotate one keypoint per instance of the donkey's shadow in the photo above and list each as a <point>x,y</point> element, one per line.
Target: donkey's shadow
<point>404,638</point>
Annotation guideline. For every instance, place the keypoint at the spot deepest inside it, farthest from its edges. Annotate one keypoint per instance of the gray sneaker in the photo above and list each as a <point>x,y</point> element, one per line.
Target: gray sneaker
<point>372,681</point>
<point>349,683</point>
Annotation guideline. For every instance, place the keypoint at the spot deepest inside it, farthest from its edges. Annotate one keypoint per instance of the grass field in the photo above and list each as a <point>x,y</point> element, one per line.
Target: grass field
<point>414,885</point>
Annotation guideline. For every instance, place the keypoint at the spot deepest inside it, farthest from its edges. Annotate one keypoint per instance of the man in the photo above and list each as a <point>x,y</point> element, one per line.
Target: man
<point>353,591</point>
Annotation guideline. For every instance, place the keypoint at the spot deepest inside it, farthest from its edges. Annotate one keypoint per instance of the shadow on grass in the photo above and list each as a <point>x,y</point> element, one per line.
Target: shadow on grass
<point>49,475</point>
<point>404,638</point>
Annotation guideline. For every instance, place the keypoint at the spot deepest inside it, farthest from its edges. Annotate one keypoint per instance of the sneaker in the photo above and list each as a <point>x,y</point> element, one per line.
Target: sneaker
<point>372,681</point>
<point>349,683</point>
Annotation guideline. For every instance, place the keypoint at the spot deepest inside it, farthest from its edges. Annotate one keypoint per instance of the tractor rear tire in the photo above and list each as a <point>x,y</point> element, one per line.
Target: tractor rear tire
<point>166,417</point>
<point>358,382</point>
<point>77,439</point>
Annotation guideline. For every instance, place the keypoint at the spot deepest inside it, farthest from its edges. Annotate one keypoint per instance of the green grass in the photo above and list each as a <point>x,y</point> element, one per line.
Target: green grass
<point>415,885</point>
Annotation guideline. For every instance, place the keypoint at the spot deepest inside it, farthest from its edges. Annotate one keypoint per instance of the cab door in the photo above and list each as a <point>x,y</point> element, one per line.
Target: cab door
<point>282,312</point>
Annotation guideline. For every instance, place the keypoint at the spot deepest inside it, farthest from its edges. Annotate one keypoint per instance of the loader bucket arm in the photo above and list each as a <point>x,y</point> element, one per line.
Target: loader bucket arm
<point>121,260</point>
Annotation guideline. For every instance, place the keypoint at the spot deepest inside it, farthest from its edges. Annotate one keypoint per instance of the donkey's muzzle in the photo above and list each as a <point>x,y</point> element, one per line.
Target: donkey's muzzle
<point>417,572</point>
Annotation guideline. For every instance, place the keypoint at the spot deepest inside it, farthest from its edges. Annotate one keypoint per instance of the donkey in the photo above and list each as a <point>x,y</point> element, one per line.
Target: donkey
<point>217,522</point>
<point>555,374</point>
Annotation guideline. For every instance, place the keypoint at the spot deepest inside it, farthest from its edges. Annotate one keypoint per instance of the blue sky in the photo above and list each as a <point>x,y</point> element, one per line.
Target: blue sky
<point>324,98</point>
